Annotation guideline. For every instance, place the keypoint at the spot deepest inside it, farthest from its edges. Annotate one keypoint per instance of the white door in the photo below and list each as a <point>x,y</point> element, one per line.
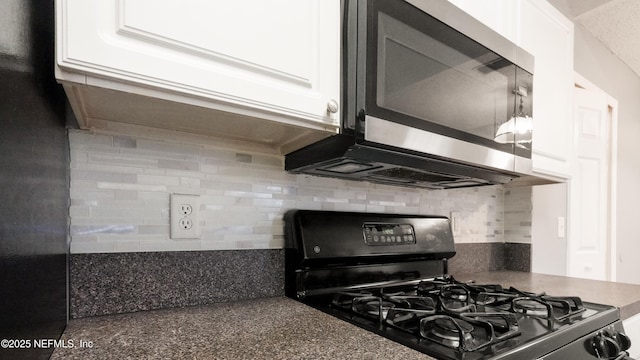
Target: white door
<point>589,245</point>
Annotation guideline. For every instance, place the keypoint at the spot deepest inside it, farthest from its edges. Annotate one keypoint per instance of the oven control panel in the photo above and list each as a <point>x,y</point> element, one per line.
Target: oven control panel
<point>334,237</point>
<point>388,234</point>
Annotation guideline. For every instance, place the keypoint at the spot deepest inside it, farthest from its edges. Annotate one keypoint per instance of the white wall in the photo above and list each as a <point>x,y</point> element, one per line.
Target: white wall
<point>120,187</point>
<point>549,250</point>
<point>601,67</point>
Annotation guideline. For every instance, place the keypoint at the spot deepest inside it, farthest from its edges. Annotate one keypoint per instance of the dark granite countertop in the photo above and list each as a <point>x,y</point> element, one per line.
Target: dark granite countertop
<point>281,328</point>
<point>269,328</point>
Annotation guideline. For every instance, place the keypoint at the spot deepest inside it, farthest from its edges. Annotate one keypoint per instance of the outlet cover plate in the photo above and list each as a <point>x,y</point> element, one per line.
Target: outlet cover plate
<point>179,217</point>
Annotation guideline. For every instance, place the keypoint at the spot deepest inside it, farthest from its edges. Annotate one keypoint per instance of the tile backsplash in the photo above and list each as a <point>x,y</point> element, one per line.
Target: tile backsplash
<point>120,188</point>
<point>517,214</point>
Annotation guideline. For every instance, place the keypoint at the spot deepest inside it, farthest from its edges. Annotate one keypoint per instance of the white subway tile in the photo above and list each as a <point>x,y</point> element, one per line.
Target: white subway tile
<point>120,189</point>
<point>78,157</point>
<point>158,180</point>
<point>269,161</point>
<point>102,176</point>
<point>308,205</point>
<point>274,203</point>
<point>128,203</point>
<point>170,245</point>
<point>87,230</point>
<point>166,147</point>
<point>78,247</point>
<point>153,196</point>
<point>189,182</point>
<point>126,195</point>
<point>136,187</point>
<point>219,245</point>
<point>127,246</point>
<point>251,194</point>
<point>91,195</point>
<point>214,156</point>
<point>328,199</point>
<point>153,229</point>
<point>178,165</point>
<point>78,211</point>
<point>117,213</point>
<point>79,138</point>
<point>124,142</point>
<point>375,208</point>
<point>121,160</point>
<point>349,207</point>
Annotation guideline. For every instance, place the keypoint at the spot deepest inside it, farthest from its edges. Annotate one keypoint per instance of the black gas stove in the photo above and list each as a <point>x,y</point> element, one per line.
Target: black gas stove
<point>388,274</point>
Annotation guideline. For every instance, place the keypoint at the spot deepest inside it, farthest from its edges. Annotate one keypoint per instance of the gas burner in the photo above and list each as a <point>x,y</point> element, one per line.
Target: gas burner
<point>531,306</point>
<point>449,331</point>
<point>557,308</point>
<point>407,319</point>
<point>564,307</point>
<point>455,292</point>
<point>469,332</point>
<point>456,298</point>
<point>501,300</point>
<point>431,286</point>
<point>371,305</point>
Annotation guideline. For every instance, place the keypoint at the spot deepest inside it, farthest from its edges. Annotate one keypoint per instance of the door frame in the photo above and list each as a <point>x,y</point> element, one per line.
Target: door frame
<point>581,82</point>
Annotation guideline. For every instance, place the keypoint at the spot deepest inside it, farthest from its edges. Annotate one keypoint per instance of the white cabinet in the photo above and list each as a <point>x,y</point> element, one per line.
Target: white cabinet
<point>632,329</point>
<point>251,70</point>
<point>499,15</point>
<point>548,35</point>
<point>540,29</point>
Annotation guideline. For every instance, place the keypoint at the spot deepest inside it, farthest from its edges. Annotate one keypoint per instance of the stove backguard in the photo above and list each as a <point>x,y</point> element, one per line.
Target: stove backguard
<point>327,251</point>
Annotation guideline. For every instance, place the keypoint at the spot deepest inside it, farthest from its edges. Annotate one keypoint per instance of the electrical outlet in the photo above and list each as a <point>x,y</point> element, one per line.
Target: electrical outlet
<point>186,209</point>
<point>185,224</point>
<point>184,216</point>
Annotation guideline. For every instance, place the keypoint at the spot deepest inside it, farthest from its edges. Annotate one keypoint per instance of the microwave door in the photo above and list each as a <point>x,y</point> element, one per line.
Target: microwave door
<point>430,77</point>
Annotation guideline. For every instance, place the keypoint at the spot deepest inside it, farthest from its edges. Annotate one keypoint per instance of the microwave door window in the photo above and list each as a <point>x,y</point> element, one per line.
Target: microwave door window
<point>524,111</point>
<point>465,87</point>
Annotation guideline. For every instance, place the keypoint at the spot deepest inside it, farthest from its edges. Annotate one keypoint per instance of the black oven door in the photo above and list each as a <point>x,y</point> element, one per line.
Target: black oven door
<point>450,95</point>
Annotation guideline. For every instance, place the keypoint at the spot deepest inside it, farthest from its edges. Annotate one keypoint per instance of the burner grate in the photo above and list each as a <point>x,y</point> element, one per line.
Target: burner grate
<point>463,317</point>
<point>470,331</point>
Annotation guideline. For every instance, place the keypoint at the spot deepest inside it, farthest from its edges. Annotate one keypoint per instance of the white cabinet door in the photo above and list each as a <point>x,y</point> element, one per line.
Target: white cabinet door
<point>499,15</point>
<point>540,29</point>
<point>548,35</point>
<point>277,57</point>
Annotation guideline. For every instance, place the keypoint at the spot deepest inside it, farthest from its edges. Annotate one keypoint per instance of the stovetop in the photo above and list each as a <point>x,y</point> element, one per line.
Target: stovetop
<point>452,320</point>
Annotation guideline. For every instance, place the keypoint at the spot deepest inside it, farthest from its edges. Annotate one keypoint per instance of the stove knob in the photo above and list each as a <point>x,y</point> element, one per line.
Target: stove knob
<point>623,340</point>
<point>605,347</point>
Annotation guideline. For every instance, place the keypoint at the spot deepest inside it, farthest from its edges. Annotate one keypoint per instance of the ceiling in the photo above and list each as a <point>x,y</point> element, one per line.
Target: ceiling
<point>614,22</point>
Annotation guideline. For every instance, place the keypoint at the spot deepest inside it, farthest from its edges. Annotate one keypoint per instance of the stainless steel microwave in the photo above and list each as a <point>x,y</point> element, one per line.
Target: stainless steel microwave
<point>431,98</point>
